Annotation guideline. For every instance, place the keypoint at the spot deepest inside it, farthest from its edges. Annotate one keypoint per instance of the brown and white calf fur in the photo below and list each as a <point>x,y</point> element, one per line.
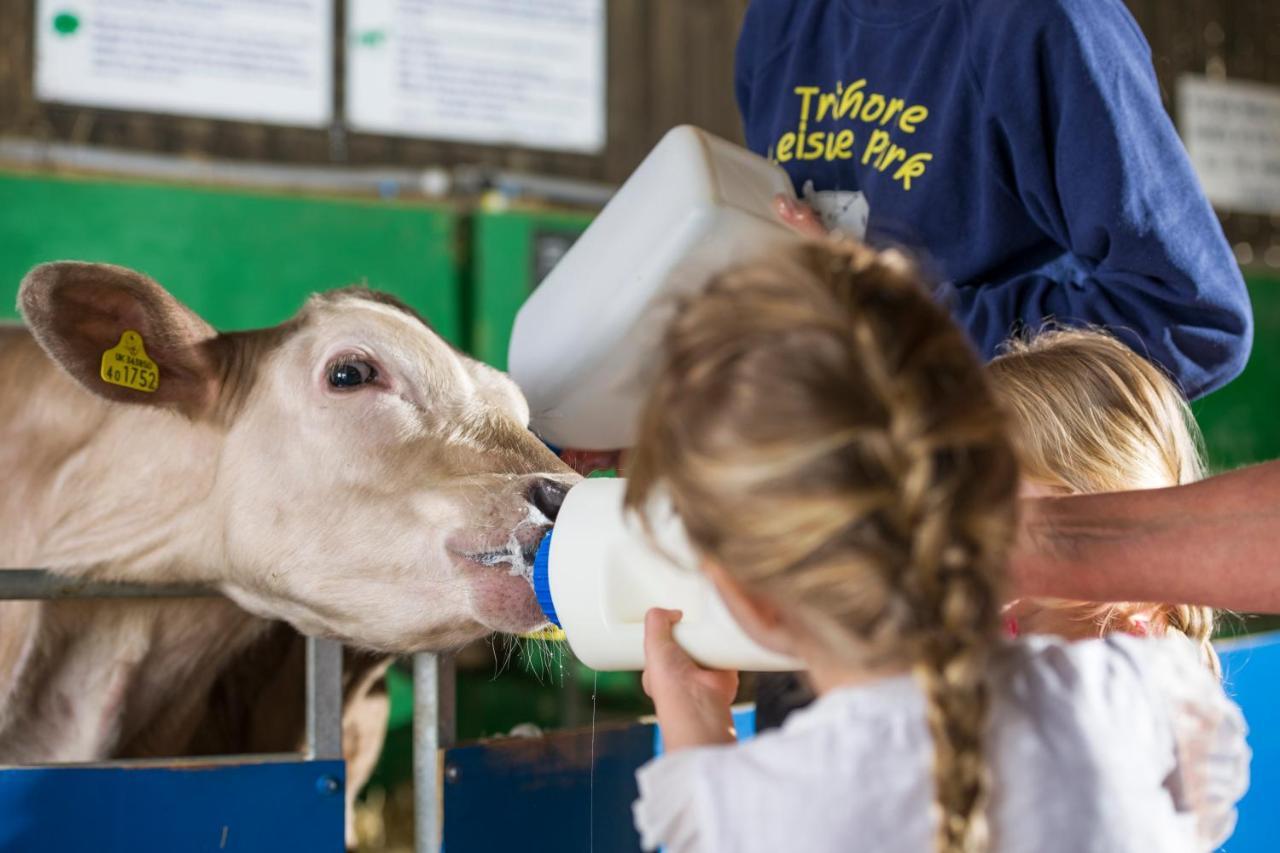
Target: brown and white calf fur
<point>347,472</point>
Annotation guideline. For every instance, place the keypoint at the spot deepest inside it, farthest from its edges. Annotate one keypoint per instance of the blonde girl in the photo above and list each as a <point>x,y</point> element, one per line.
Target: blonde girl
<point>1090,415</point>
<point>841,464</point>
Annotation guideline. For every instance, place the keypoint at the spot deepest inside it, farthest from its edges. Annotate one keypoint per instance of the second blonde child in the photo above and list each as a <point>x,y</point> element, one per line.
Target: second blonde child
<point>1090,415</point>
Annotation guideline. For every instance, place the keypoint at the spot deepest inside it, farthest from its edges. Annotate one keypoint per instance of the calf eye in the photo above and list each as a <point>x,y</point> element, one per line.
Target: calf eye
<point>350,374</point>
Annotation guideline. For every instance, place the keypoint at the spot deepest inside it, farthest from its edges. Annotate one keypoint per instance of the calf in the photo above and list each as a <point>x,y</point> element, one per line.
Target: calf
<point>347,472</point>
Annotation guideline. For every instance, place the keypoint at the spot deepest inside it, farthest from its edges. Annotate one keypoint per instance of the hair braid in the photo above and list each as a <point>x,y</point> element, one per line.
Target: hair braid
<point>952,596</point>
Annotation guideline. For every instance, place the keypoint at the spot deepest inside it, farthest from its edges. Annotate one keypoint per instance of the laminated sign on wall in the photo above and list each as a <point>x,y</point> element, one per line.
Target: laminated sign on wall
<point>510,72</point>
<point>250,60</point>
<point>1232,132</point>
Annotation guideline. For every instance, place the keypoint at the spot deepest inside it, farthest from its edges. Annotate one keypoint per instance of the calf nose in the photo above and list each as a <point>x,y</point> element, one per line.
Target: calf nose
<point>547,496</point>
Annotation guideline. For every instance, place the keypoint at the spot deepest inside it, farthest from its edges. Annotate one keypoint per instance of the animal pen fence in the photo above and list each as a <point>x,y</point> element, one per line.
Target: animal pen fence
<point>255,803</point>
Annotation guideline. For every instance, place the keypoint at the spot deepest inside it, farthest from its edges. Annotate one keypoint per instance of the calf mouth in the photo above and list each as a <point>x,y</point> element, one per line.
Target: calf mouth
<point>502,601</point>
<point>516,554</point>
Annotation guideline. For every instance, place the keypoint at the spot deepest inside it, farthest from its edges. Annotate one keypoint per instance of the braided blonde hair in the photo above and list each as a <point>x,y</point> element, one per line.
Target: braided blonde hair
<point>1091,415</point>
<point>828,437</point>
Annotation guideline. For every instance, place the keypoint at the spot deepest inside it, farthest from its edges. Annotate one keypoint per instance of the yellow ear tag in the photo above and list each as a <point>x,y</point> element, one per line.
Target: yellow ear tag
<point>126,364</point>
<point>552,633</point>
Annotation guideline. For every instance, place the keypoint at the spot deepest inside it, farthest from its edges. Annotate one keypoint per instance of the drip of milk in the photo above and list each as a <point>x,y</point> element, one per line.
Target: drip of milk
<point>591,778</point>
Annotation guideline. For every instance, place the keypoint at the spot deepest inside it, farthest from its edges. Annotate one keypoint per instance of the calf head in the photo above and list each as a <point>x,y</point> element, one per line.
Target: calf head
<point>369,482</point>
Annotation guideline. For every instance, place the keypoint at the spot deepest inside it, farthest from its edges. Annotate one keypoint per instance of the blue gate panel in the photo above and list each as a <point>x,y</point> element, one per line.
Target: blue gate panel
<point>540,793</point>
<point>191,808</point>
<point>1251,674</point>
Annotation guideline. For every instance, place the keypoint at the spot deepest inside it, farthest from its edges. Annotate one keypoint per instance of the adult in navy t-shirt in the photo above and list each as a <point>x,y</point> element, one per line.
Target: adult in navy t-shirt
<point>1021,146</point>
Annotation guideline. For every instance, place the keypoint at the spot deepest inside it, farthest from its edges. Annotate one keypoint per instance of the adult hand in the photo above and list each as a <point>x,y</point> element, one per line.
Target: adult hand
<point>799,216</point>
<point>693,703</point>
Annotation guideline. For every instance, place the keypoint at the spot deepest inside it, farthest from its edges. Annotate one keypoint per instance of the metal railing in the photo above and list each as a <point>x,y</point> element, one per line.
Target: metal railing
<point>433,691</point>
<point>430,182</point>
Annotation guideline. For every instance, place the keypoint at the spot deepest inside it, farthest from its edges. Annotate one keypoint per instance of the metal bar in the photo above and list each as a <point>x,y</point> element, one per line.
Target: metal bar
<point>31,153</point>
<point>434,728</point>
<point>555,189</point>
<point>514,185</point>
<point>324,699</point>
<point>433,182</point>
<point>37,584</point>
<point>178,763</point>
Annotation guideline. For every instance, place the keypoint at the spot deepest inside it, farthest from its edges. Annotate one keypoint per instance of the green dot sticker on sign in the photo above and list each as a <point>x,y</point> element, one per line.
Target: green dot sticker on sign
<point>126,364</point>
<point>66,23</point>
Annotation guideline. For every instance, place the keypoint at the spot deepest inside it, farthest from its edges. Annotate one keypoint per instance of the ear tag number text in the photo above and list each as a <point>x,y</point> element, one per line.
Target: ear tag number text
<point>126,364</point>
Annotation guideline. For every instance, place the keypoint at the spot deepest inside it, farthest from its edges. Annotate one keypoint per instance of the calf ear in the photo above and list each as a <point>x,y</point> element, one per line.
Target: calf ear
<point>81,314</point>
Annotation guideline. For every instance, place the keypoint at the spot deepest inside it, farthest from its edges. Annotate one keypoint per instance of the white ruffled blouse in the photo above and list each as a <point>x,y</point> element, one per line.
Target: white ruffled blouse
<point>1104,746</point>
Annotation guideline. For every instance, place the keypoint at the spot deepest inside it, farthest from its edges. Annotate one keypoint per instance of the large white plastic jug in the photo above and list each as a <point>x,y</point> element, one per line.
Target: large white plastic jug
<point>582,341</point>
<point>598,572</point>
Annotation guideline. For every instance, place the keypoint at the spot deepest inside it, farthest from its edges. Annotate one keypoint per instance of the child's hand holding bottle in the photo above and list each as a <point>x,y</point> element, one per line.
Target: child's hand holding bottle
<point>692,703</point>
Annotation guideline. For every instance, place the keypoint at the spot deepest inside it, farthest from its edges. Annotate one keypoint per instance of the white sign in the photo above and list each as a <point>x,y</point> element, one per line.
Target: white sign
<point>1232,132</point>
<point>251,60</point>
<point>514,72</point>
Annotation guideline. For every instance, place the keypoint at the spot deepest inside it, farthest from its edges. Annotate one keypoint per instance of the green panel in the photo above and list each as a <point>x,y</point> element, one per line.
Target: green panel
<point>1241,423</point>
<point>505,265</point>
<point>239,259</point>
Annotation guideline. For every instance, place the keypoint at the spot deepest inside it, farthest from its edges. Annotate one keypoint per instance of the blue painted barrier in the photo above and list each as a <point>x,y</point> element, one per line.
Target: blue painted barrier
<point>1251,674</point>
<point>277,807</point>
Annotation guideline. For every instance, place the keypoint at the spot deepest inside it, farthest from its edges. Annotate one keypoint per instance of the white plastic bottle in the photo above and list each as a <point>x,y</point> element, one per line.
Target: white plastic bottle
<point>598,572</point>
<point>582,341</point>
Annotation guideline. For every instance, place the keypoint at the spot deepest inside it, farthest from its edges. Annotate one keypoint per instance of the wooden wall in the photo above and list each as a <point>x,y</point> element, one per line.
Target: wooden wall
<point>1238,37</point>
<point>669,61</point>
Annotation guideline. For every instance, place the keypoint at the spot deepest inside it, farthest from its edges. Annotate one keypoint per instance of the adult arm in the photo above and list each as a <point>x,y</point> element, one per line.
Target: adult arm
<point>1087,149</point>
<point>1215,542</point>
